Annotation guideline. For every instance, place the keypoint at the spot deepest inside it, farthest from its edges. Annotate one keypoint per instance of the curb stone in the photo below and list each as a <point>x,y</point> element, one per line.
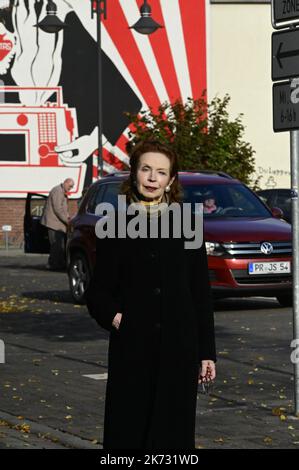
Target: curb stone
<point>68,440</point>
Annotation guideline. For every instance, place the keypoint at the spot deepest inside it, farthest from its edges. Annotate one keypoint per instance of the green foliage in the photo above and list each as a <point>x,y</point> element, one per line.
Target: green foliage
<point>202,134</point>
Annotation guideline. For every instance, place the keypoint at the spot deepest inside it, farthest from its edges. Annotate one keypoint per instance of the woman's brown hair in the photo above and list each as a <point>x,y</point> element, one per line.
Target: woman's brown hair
<point>128,186</point>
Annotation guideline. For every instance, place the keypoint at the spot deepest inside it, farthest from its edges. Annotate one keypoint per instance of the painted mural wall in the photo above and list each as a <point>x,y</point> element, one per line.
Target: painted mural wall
<point>49,85</point>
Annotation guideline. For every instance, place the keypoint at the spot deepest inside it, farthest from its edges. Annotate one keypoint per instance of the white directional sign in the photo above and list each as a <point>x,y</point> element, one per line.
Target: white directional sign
<point>285,54</point>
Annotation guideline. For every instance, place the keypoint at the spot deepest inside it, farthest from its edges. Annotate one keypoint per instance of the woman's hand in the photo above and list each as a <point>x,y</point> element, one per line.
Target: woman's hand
<point>207,372</point>
<point>117,320</point>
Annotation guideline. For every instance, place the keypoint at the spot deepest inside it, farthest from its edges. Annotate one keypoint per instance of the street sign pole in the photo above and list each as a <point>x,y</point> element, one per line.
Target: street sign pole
<point>295,238</point>
<point>285,64</point>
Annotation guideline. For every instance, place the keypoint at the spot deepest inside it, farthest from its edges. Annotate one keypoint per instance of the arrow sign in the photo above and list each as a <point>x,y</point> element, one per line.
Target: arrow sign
<point>285,54</point>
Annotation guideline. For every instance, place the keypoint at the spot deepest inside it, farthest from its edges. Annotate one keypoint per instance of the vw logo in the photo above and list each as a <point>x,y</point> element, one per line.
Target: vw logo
<point>266,248</point>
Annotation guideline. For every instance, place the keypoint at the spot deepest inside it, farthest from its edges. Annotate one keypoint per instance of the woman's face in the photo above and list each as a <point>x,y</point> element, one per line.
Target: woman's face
<point>153,175</point>
<point>209,202</point>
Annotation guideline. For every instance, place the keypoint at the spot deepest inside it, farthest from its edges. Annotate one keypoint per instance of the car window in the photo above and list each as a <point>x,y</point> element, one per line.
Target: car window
<point>37,205</point>
<point>230,200</point>
<point>240,199</point>
<point>265,192</point>
<point>111,192</point>
<point>284,202</point>
<point>283,199</point>
<point>95,198</point>
<point>263,198</point>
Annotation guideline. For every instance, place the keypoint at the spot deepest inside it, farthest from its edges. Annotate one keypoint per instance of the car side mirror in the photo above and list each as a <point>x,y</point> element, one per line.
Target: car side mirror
<point>277,212</point>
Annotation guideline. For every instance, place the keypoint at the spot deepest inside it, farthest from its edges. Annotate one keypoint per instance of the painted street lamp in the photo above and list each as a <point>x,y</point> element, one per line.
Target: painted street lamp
<point>51,23</point>
<point>145,24</point>
<point>99,7</point>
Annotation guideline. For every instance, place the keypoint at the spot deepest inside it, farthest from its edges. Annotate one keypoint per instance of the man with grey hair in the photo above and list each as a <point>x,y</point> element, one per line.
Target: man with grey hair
<point>56,218</point>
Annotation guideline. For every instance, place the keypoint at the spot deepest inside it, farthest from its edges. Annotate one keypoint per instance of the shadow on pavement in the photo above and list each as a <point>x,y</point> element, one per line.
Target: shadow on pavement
<point>32,267</point>
<point>245,303</point>
<point>54,327</point>
<point>63,296</point>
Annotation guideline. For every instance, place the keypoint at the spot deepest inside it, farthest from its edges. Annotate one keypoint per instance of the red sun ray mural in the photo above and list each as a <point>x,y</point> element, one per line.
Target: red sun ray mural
<point>49,85</point>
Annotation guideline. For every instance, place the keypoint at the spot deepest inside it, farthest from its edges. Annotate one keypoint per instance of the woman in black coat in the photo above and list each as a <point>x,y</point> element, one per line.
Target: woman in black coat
<point>153,295</point>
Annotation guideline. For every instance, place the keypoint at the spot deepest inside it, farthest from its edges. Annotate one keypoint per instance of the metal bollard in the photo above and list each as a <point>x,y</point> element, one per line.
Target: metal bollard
<point>6,229</point>
<point>2,93</point>
<point>2,352</point>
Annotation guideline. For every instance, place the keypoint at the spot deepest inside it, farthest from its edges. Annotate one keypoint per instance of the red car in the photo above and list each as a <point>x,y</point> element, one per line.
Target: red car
<point>249,247</point>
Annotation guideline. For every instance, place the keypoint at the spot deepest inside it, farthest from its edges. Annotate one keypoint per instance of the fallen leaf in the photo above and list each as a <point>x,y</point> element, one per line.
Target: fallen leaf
<point>219,440</point>
<point>268,440</point>
<point>24,428</point>
<point>278,411</point>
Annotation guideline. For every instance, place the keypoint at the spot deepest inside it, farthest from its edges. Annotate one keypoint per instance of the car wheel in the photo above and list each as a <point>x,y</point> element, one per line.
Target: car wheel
<point>285,300</point>
<point>79,277</point>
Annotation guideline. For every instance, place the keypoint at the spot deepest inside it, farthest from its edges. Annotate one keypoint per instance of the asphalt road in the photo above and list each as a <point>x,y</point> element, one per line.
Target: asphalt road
<point>52,383</point>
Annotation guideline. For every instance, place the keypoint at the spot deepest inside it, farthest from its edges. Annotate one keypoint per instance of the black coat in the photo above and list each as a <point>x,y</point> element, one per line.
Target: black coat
<point>167,328</point>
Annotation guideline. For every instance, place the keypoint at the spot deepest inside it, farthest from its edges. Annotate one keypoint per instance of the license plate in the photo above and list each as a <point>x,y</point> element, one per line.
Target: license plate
<point>276,267</point>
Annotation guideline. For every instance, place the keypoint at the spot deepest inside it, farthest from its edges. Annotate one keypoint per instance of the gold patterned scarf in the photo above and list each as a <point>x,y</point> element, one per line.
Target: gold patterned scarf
<point>154,209</point>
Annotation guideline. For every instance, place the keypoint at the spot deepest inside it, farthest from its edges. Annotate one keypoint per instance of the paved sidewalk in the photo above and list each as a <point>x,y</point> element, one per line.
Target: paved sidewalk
<point>13,252</point>
<point>17,432</point>
<point>52,385</point>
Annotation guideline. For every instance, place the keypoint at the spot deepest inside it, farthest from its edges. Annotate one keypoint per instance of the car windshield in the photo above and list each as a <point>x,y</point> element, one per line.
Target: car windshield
<point>225,200</point>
